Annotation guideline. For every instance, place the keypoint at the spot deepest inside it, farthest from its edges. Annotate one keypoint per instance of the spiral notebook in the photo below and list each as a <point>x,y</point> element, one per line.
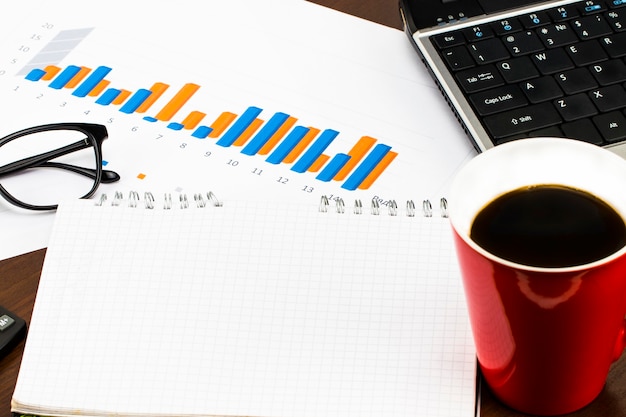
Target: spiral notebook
<point>195,307</point>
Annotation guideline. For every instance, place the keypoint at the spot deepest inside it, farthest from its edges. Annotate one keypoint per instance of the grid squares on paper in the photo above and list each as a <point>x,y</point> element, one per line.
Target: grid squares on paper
<point>264,310</point>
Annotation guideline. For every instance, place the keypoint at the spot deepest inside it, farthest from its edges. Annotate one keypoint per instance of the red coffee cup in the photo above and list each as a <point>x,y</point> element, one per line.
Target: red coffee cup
<point>545,336</point>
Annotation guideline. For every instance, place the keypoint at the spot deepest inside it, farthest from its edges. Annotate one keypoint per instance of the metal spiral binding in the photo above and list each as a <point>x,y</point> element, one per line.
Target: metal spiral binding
<point>392,207</point>
<point>214,200</point>
<point>148,199</point>
<point>340,206</point>
<point>443,207</point>
<point>184,202</point>
<point>410,208</point>
<point>117,199</point>
<point>167,201</point>
<point>358,207</point>
<point>149,202</point>
<point>199,199</point>
<point>427,208</point>
<point>101,200</point>
<point>133,199</point>
<point>375,207</point>
<point>324,203</point>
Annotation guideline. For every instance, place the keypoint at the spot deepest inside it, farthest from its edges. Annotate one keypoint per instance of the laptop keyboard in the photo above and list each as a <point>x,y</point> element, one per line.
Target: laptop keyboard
<point>556,72</point>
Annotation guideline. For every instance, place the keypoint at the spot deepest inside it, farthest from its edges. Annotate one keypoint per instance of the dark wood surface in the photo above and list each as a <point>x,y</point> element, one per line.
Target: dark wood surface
<point>19,278</point>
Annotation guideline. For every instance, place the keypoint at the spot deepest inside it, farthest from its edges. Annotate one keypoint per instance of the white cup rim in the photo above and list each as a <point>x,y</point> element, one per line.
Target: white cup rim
<point>484,176</point>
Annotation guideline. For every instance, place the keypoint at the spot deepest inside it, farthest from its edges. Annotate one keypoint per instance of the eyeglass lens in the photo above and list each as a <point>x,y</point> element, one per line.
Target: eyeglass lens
<point>50,181</point>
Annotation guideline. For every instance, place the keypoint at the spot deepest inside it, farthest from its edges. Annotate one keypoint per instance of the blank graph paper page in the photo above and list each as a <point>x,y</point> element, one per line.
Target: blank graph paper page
<point>248,310</point>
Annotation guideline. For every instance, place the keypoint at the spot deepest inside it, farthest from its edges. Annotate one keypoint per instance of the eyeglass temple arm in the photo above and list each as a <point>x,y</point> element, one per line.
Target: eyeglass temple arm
<point>107,176</point>
<point>44,158</point>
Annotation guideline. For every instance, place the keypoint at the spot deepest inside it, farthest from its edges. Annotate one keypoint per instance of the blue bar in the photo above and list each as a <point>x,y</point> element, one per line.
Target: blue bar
<point>175,126</point>
<point>135,101</point>
<point>108,96</point>
<point>265,134</point>
<point>367,166</point>
<point>314,151</point>
<point>244,121</point>
<point>90,82</point>
<point>202,132</point>
<point>64,77</point>
<point>35,75</point>
<point>291,141</point>
<point>333,167</point>
<point>150,119</point>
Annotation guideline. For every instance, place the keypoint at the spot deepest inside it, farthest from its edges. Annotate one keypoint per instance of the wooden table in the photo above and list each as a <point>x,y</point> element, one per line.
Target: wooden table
<point>19,278</point>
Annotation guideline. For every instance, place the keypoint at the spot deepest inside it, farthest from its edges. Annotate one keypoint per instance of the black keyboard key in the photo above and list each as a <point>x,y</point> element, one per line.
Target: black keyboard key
<point>524,119</point>
<point>586,53</point>
<point>556,35</point>
<point>487,51</point>
<point>576,80</point>
<point>498,100</point>
<point>535,19</point>
<point>612,126</point>
<point>609,72</point>
<point>548,132</point>
<point>575,107</point>
<point>541,89</point>
<point>613,4</point>
<point>479,79</point>
<point>517,69</point>
<point>448,40</point>
<point>552,61</point>
<point>616,19</point>
<point>583,130</point>
<point>506,26</point>
<point>458,58</point>
<point>591,7</point>
<point>607,99</point>
<point>477,33</point>
<point>560,14</point>
<point>523,43</point>
<point>590,27</point>
<point>615,45</point>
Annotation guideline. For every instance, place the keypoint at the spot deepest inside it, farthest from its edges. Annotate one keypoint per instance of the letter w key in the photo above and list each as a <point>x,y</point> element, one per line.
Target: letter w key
<point>552,61</point>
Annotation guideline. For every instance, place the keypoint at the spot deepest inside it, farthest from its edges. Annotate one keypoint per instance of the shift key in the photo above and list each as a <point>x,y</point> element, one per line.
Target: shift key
<point>522,120</point>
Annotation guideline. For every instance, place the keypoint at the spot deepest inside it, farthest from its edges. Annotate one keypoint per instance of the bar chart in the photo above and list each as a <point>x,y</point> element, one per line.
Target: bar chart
<point>277,137</point>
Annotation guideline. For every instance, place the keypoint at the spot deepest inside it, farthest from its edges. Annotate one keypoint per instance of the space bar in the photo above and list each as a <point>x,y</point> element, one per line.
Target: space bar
<point>522,120</point>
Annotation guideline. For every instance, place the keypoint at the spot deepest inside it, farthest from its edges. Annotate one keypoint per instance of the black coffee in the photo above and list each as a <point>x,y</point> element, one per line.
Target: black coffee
<point>549,226</point>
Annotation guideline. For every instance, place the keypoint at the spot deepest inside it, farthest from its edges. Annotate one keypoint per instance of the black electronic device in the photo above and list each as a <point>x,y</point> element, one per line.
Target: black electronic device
<point>12,331</point>
<point>512,69</point>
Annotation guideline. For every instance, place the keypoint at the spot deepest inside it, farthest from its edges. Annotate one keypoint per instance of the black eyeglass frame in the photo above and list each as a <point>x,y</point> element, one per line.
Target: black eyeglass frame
<point>95,134</point>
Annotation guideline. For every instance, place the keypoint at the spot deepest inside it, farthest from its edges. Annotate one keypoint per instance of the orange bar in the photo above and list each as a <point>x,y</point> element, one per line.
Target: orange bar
<point>193,119</point>
<point>51,71</point>
<point>157,90</point>
<point>99,88</point>
<point>221,123</point>
<point>276,137</point>
<point>243,138</point>
<point>319,163</point>
<point>80,75</point>
<point>382,165</point>
<point>124,94</point>
<point>178,101</point>
<point>357,153</point>
<point>301,146</point>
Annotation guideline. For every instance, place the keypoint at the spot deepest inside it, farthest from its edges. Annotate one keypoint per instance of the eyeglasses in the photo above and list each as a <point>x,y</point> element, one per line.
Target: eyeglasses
<point>44,165</point>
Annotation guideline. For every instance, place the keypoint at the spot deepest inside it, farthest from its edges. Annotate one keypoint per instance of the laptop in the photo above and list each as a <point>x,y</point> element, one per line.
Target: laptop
<point>512,69</point>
